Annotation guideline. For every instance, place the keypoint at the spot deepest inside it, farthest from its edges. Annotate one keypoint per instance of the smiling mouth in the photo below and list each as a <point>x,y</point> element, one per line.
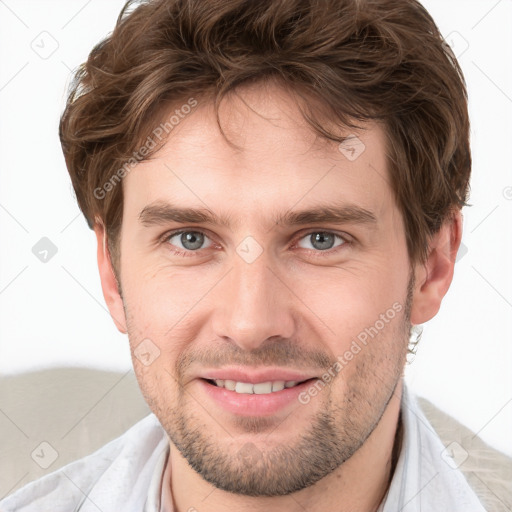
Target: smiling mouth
<point>261,388</point>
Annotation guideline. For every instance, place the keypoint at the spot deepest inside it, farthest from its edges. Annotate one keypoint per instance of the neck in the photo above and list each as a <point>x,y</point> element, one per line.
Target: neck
<point>358,485</point>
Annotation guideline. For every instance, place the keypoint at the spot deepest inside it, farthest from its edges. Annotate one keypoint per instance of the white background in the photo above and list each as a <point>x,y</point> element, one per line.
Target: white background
<point>53,314</point>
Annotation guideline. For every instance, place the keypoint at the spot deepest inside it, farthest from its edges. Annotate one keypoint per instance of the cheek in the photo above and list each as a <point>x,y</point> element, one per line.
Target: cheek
<point>350,299</point>
<point>159,295</point>
<point>169,308</point>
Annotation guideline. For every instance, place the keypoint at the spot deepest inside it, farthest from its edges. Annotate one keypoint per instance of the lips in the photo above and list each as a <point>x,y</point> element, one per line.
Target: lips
<point>255,391</point>
<point>245,402</point>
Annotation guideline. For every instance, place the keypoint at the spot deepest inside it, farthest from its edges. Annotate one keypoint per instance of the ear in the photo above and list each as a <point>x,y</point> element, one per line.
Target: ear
<point>108,280</point>
<point>433,278</point>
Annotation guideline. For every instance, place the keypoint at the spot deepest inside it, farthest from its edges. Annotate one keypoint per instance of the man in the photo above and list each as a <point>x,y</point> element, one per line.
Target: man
<point>275,188</point>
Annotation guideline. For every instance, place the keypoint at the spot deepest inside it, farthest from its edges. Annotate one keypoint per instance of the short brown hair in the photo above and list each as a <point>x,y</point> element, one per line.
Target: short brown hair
<point>364,60</point>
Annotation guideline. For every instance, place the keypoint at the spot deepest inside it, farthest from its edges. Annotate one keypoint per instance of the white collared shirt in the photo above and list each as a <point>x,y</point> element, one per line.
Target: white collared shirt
<point>426,479</point>
<point>127,475</point>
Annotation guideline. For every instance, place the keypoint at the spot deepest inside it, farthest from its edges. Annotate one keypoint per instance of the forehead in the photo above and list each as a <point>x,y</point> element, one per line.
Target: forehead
<point>278,161</point>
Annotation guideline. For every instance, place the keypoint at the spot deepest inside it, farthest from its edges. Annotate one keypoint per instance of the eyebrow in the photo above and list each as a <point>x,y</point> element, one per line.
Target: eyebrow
<point>159,213</point>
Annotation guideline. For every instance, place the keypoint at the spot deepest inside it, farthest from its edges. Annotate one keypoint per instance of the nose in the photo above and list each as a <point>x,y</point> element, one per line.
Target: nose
<point>253,304</point>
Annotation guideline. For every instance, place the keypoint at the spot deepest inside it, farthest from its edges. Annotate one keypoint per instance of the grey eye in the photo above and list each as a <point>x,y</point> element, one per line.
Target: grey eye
<point>321,240</point>
<point>189,240</point>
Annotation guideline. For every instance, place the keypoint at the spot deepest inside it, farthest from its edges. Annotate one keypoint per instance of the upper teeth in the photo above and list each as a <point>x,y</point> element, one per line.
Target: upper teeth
<point>259,389</point>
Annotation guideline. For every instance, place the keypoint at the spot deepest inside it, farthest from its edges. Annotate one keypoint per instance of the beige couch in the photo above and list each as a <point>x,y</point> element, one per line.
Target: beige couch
<point>52,417</point>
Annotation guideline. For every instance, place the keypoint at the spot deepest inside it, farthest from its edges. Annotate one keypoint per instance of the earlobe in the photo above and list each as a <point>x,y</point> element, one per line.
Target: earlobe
<point>433,278</point>
<point>109,283</point>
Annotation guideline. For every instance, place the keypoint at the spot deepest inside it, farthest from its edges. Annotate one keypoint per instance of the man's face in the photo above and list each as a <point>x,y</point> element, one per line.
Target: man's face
<point>262,293</point>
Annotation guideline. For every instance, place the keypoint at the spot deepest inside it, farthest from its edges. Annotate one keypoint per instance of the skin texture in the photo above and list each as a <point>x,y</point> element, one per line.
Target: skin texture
<point>295,306</point>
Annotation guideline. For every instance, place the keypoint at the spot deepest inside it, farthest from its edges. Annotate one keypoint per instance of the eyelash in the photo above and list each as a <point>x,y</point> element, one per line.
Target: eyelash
<point>328,252</point>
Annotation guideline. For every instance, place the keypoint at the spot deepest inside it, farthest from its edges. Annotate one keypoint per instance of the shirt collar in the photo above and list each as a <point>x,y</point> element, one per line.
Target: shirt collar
<point>424,477</point>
